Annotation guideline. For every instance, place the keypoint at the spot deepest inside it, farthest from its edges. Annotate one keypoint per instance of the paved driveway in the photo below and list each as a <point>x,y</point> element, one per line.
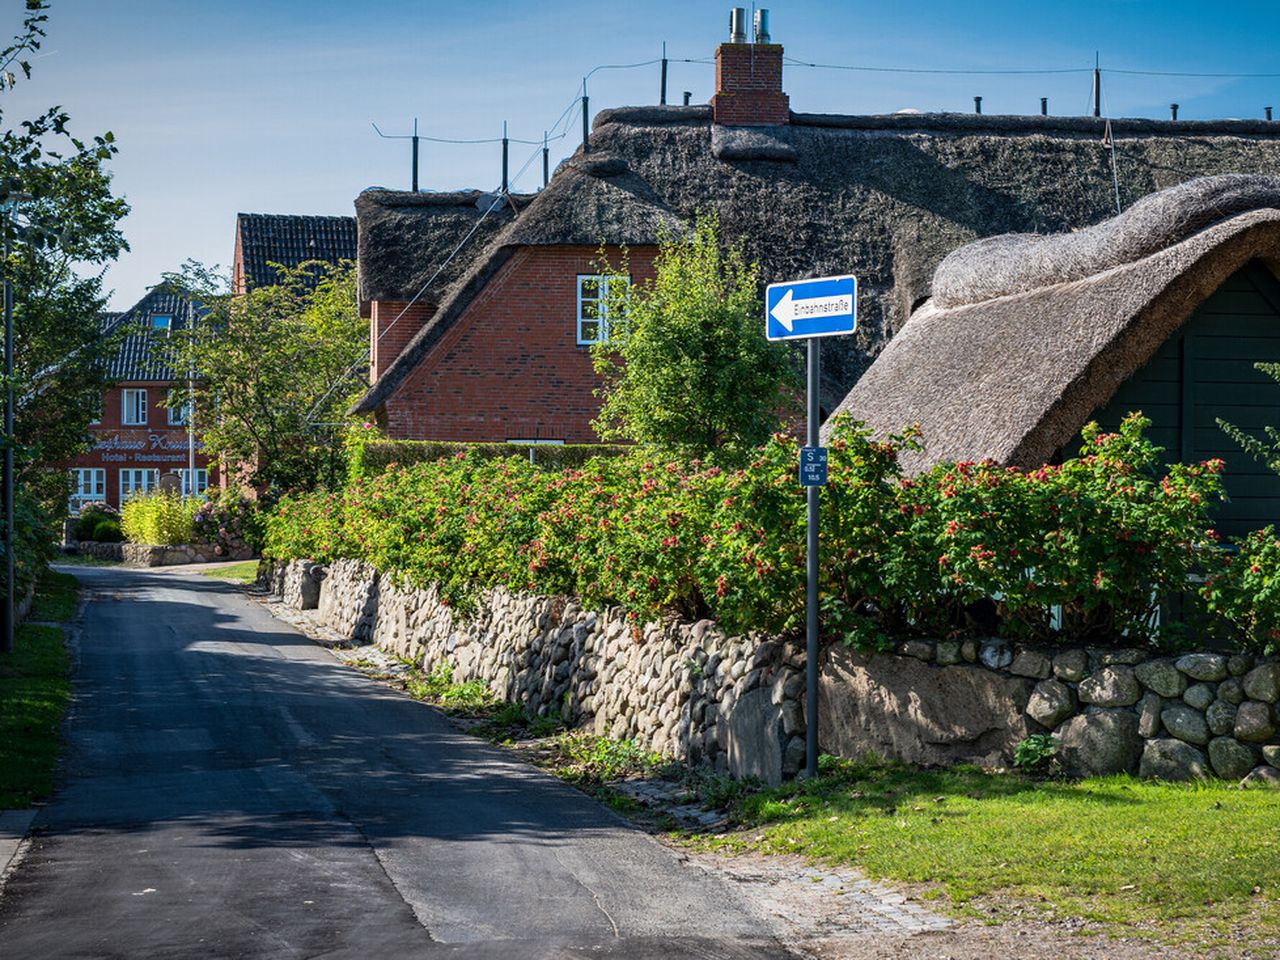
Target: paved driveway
<point>230,790</point>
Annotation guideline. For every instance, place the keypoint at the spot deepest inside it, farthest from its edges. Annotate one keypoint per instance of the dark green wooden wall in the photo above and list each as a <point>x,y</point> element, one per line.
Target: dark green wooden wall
<point>1206,372</point>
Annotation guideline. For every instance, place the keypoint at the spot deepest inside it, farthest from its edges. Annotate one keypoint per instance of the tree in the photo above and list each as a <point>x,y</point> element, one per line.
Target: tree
<point>276,369</point>
<point>686,365</point>
<point>59,215</point>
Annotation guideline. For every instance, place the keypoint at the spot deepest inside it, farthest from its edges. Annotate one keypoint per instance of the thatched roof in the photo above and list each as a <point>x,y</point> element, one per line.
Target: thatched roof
<point>883,197</point>
<point>1028,336</point>
<point>404,238</point>
<point>592,200</point>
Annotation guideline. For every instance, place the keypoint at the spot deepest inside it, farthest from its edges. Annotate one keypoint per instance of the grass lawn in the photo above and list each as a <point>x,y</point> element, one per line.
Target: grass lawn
<point>35,685</point>
<point>246,572</point>
<point>1176,862</point>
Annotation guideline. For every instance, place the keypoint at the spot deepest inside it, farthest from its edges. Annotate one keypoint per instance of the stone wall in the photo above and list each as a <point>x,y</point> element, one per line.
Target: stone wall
<point>155,555</point>
<point>736,704</point>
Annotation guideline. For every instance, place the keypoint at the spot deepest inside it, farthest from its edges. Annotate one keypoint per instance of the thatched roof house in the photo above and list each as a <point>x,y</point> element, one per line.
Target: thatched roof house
<point>1163,309</point>
<point>882,197</point>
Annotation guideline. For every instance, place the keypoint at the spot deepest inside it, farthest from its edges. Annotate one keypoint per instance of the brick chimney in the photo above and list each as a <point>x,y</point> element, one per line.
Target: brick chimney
<point>749,85</point>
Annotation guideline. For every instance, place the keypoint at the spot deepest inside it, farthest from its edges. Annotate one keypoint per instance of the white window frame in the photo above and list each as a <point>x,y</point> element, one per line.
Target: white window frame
<point>601,300</point>
<point>88,485</point>
<point>202,481</point>
<point>135,480</point>
<point>132,393</point>
<point>178,411</point>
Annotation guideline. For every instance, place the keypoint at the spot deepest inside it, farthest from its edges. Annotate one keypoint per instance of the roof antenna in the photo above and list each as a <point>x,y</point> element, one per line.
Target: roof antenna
<point>1097,86</point>
<point>404,136</point>
<point>662,92</point>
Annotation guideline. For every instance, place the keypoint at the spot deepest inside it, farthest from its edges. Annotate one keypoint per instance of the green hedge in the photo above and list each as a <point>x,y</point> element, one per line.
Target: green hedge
<point>1082,552</point>
<point>372,458</point>
<point>35,537</point>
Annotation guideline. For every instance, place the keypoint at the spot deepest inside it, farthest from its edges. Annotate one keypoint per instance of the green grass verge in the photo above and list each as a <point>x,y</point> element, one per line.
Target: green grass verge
<point>35,686</point>
<point>246,572</point>
<point>1198,863</point>
<point>55,599</point>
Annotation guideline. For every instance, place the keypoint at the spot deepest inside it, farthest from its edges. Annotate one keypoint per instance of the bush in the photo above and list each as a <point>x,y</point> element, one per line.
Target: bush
<point>1244,590</point>
<point>164,519</point>
<point>35,542</point>
<point>1081,552</point>
<point>107,531</point>
<point>228,523</point>
<point>92,514</point>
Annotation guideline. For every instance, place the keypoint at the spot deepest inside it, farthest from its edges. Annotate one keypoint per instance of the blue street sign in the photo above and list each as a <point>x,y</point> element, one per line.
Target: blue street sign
<point>826,307</point>
<point>813,466</point>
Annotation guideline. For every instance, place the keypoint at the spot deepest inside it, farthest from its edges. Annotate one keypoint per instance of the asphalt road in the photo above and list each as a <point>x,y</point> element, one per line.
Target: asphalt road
<point>230,790</point>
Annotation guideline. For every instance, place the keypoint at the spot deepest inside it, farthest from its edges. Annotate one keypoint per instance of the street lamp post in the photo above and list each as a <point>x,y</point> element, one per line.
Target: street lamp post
<point>10,606</point>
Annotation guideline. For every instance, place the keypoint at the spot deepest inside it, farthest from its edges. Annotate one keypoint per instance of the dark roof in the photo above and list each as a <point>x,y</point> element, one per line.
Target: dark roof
<point>881,197</point>
<point>288,240</point>
<point>413,244</point>
<point>1028,336</point>
<point>134,357</point>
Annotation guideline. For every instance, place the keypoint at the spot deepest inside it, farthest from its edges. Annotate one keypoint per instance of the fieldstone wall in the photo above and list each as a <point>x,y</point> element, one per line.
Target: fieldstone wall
<point>100,550</point>
<point>683,690</point>
<point>736,704</point>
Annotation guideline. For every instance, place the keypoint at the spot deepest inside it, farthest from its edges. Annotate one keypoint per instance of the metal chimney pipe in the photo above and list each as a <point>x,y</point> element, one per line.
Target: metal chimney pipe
<point>1268,109</point>
<point>1044,106</point>
<point>738,25</point>
<point>762,26</point>
<point>688,95</point>
<point>1173,111</point>
<point>977,104</point>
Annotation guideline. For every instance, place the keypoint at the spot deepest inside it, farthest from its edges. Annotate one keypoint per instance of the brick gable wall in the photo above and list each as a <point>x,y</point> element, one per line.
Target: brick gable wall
<point>392,324</point>
<point>511,367</point>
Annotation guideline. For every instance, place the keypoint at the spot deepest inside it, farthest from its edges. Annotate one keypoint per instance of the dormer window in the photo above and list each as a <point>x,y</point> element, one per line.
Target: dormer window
<point>161,321</point>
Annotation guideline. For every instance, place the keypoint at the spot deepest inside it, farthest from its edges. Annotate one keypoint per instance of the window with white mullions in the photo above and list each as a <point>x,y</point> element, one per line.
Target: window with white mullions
<point>133,407</point>
<point>202,482</point>
<point>88,485</point>
<point>593,306</point>
<point>135,482</point>
<point>179,407</point>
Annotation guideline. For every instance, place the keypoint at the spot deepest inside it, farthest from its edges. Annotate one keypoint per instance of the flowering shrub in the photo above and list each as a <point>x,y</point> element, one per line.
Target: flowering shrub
<point>158,518</point>
<point>1084,551</point>
<point>228,523</point>
<point>1244,589</point>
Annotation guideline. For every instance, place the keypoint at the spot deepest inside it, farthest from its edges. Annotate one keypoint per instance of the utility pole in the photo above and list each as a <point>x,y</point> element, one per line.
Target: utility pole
<point>1097,87</point>
<point>10,607</point>
<point>413,137</point>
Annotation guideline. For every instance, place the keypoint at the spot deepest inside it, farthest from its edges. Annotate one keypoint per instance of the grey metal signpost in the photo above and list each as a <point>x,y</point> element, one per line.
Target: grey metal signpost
<point>808,310</point>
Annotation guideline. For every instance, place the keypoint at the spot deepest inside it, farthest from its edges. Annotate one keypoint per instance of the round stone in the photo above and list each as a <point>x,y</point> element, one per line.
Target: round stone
<point>1099,743</point>
<point>1211,667</point>
<point>1168,759</point>
<point>1221,717</point>
<point>1185,723</point>
<point>1114,686</point>
<point>1230,759</point>
<point>1051,702</point>
<point>1254,722</point>
<point>1271,754</point>
<point>1262,777</point>
<point>1149,714</point>
<point>1231,690</point>
<point>995,654</point>
<point>1031,663</point>
<point>1162,677</point>
<point>1071,666</point>
<point>1199,696</point>
<point>1239,664</point>
<point>1263,683</point>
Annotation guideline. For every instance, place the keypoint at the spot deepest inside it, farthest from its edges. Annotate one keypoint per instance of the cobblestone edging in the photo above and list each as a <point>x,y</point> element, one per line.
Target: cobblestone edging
<point>735,704</point>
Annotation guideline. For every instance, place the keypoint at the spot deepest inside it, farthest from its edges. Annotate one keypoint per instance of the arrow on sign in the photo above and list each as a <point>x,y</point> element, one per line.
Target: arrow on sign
<point>787,310</point>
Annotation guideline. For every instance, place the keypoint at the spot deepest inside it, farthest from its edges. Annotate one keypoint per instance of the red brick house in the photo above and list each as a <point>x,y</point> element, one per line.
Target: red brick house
<point>141,433</point>
<point>494,347</point>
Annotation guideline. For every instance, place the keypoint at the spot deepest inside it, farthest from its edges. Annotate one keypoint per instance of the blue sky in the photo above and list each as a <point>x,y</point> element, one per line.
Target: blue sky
<point>265,105</point>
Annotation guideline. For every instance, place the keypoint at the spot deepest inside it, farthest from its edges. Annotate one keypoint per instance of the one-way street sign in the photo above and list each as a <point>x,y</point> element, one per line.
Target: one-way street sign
<point>825,307</point>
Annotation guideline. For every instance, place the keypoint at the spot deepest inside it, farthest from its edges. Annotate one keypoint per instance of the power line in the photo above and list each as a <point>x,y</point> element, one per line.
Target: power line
<point>869,69</point>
